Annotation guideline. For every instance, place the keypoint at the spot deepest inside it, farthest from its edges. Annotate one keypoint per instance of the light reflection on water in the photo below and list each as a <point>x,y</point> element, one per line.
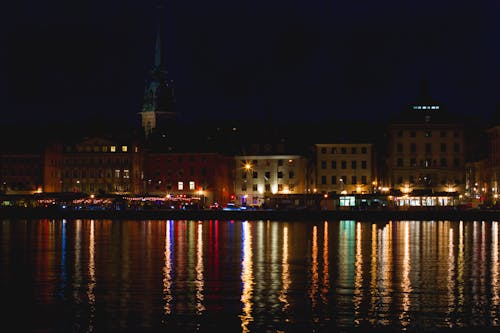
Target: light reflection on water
<point>249,276</point>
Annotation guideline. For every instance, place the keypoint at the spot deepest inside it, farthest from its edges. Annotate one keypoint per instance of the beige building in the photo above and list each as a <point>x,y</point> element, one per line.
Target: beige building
<point>345,168</point>
<point>259,177</point>
<point>426,150</point>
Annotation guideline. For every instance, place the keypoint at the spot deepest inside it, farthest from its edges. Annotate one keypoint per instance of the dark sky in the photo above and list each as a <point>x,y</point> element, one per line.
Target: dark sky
<point>261,59</point>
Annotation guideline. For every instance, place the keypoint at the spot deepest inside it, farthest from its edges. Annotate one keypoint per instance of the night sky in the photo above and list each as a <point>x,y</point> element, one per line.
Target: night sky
<point>260,60</point>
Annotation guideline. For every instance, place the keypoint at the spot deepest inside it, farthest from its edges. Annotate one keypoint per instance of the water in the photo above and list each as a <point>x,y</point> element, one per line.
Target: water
<point>248,276</point>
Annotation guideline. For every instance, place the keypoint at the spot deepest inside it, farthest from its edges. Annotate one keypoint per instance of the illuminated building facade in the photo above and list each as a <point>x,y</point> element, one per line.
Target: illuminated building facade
<point>345,168</point>
<point>94,166</point>
<point>203,175</point>
<point>425,150</point>
<point>21,173</point>
<point>259,177</point>
<point>493,178</point>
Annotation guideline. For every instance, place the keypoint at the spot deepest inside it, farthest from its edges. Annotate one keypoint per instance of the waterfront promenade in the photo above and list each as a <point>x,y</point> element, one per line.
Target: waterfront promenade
<point>273,215</point>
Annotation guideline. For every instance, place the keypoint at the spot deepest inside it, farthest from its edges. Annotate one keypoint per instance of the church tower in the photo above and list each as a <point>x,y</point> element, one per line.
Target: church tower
<point>158,110</point>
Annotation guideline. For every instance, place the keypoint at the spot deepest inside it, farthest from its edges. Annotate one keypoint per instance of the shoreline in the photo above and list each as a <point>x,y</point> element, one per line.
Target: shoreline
<point>272,215</point>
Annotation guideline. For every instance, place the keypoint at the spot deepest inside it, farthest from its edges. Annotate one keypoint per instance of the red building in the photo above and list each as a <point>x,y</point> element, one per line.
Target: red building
<point>207,176</point>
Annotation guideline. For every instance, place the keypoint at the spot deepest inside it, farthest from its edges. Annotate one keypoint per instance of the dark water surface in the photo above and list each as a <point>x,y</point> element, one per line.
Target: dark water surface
<point>248,276</point>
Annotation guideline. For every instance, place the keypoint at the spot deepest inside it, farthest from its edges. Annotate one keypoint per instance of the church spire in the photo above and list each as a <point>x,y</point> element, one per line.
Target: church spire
<point>158,110</point>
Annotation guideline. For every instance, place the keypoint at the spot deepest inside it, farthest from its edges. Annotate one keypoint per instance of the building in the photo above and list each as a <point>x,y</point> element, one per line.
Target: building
<point>94,166</point>
<point>206,176</point>
<point>425,151</point>
<point>345,168</point>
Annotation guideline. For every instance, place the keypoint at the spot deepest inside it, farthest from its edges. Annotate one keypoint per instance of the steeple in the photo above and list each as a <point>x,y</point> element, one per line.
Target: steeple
<point>158,110</point>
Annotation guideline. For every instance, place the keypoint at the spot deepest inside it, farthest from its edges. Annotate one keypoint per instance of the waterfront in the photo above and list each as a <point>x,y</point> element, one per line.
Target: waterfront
<point>85,275</point>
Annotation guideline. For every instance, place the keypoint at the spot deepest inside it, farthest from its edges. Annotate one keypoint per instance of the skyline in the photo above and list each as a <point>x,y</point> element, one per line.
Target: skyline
<point>282,61</point>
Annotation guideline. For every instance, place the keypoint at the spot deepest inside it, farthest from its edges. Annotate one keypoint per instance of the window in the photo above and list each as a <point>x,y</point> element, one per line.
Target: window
<point>254,187</point>
<point>343,150</point>
<point>347,201</point>
<point>323,180</point>
<point>353,164</point>
<point>334,180</point>
<point>334,164</point>
<point>104,149</point>
<point>363,150</point>
<point>363,180</point>
<point>343,164</point>
<point>267,187</point>
<point>443,162</point>
<point>363,164</point>
<point>354,150</point>
<point>112,149</point>
<point>126,173</point>
<point>255,174</point>
<point>333,150</point>
<point>117,173</point>
<point>354,180</point>
<point>323,150</point>
<point>399,162</point>
<point>180,186</point>
<point>280,174</point>
<point>443,147</point>
<point>280,162</point>
<point>323,164</point>
<point>280,187</point>
<point>428,134</point>
<point>191,185</point>
<point>267,175</point>
<point>291,175</point>
<point>243,187</point>
<point>413,162</point>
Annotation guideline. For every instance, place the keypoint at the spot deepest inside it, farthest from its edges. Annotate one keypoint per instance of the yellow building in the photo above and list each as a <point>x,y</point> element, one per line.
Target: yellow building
<point>345,168</point>
<point>425,149</point>
<point>258,177</point>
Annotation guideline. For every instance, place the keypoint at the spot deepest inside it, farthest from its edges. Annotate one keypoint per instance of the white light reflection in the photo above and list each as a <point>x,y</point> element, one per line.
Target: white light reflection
<point>451,278</point>
<point>314,268</point>
<point>326,267</point>
<point>246,278</point>
<point>285,276</point>
<point>199,283</point>
<point>167,269</point>
<point>92,277</point>
<point>406,287</point>
<point>495,294</point>
<point>358,276</point>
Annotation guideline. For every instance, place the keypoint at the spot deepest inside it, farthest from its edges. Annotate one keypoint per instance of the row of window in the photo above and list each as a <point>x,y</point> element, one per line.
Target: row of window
<point>180,172</point>
<point>427,148</point>
<point>117,173</point>
<point>343,164</point>
<point>191,185</point>
<point>428,163</point>
<point>267,175</point>
<point>425,180</point>
<point>91,161</point>
<point>92,188</point>
<point>100,149</point>
<point>428,134</point>
<point>255,163</point>
<point>343,150</point>
<point>267,187</point>
<point>342,180</point>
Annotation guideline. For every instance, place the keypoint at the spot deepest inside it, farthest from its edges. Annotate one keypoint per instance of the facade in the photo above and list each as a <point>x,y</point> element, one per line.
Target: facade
<point>21,173</point>
<point>203,175</point>
<point>425,150</point>
<point>94,166</point>
<point>259,177</point>
<point>493,178</point>
<point>343,168</point>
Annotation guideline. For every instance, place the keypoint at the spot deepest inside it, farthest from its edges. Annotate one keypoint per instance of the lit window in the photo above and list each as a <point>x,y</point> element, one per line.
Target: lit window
<point>136,149</point>
<point>180,186</point>
<point>191,185</point>
<point>126,173</point>
<point>112,149</point>
<point>117,173</point>
<point>104,149</point>
<point>124,149</point>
